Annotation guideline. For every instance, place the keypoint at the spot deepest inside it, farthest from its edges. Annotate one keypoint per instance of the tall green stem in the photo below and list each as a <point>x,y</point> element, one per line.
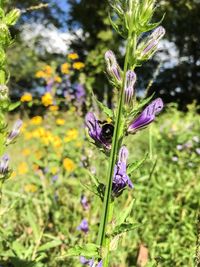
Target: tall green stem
<point>114,152</point>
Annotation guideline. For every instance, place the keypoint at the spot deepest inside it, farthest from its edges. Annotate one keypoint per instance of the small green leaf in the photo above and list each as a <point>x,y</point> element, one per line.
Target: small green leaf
<point>125,213</point>
<point>13,106</point>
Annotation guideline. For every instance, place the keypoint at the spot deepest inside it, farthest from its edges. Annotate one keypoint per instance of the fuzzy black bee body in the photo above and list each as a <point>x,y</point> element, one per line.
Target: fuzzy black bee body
<point>107,130</point>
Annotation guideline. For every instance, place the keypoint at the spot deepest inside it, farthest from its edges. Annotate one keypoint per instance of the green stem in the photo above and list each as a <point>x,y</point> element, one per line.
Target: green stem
<point>113,156</point>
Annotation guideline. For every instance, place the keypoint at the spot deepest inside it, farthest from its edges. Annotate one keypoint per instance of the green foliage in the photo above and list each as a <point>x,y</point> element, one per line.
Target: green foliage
<point>41,221</point>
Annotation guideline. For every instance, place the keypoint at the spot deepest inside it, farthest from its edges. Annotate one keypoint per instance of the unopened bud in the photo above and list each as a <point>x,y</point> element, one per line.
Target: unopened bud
<point>149,46</point>
<point>129,86</point>
<point>14,132</point>
<point>4,165</point>
<point>113,68</point>
<point>3,92</point>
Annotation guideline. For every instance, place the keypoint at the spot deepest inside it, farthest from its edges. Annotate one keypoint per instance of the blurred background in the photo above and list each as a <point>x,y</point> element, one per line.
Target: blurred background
<point>46,35</point>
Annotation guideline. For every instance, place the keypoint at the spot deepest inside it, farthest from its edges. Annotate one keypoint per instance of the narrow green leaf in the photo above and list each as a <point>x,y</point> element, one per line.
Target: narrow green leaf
<point>133,166</point>
<point>49,245</point>
<point>125,213</point>
<point>13,106</point>
<point>103,107</point>
<point>125,227</point>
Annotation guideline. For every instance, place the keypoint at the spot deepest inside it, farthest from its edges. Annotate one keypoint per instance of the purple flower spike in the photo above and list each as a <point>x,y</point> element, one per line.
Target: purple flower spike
<point>112,66</point>
<point>4,162</point>
<point>129,86</point>
<point>95,131</point>
<point>14,132</point>
<point>147,116</point>
<point>83,226</point>
<point>121,179</point>
<point>84,202</point>
<point>100,264</point>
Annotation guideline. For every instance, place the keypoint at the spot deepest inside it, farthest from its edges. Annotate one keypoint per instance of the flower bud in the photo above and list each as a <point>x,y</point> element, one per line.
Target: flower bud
<point>14,132</point>
<point>129,86</point>
<point>113,68</point>
<point>4,162</point>
<point>149,45</point>
<point>3,93</point>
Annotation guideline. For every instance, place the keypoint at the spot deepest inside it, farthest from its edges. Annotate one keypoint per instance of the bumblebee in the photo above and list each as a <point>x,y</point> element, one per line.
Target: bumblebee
<point>107,130</point>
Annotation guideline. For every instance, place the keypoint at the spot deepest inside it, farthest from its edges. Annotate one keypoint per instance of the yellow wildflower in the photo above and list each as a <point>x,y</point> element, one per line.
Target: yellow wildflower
<point>69,165</point>
<point>30,188</point>
<point>60,121</point>
<point>26,151</point>
<point>53,108</point>
<point>27,97</point>
<point>65,68</point>
<point>71,135</point>
<point>57,141</point>
<point>28,135</point>
<point>78,65</point>
<point>22,168</point>
<point>57,79</point>
<point>48,70</point>
<point>73,56</point>
<point>40,74</point>
<point>37,120</point>
<point>47,99</point>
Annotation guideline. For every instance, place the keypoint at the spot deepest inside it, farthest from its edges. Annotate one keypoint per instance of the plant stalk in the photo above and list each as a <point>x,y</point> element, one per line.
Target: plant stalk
<point>113,156</point>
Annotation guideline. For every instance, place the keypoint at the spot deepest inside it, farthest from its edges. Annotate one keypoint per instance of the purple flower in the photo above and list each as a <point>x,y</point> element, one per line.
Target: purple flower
<point>95,131</point>
<point>147,116</point>
<point>84,261</point>
<point>113,68</point>
<point>84,202</point>
<point>129,86</point>
<point>121,179</point>
<point>83,226</point>
<point>4,165</point>
<point>14,132</point>
<point>90,262</point>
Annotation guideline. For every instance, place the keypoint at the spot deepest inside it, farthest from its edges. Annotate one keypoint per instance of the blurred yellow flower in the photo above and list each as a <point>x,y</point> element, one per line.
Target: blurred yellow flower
<point>47,99</point>
<point>48,70</point>
<point>30,188</point>
<point>53,108</point>
<point>54,170</point>
<point>57,79</point>
<point>37,120</point>
<point>28,135</point>
<point>26,152</point>
<point>65,68</point>
<point>78,144</point>
<point>22,168</point>
<point>71,135</point>
<point>27,97</point>
<point>60,121</point>
<point>69,165</point>
<point>78,65</point>
<point>73,56</point>
<point>38,155</point>
<point>56,141</point>
<point>40,74</point>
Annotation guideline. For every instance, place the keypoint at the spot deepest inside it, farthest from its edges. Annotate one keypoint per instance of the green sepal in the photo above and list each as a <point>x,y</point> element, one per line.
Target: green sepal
<point>134,166</point>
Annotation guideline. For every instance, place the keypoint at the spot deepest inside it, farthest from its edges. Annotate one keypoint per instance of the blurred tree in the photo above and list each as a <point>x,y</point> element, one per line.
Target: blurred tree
<point>176,81</point>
